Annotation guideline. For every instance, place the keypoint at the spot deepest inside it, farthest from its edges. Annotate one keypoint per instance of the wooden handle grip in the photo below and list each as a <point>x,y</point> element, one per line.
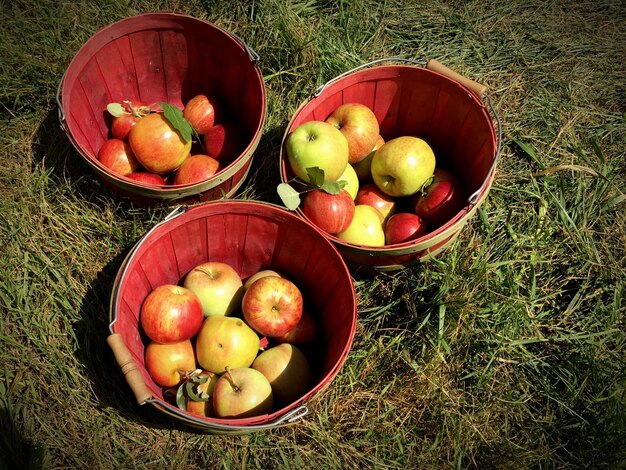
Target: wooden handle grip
<point>475,87</point>
<point>129,368</point>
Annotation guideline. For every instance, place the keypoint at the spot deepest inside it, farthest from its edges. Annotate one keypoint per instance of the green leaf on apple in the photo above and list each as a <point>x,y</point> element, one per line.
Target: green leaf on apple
<point>115,109</point>
<point>181,399</point>
<point>316,176</point>
<point>289,196</point>
<point>333,187</point>
<point>177,120</point>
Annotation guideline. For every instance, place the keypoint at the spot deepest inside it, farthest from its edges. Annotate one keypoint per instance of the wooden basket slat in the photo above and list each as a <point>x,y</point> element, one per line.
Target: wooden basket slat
<point>175,66</point>
<point>387,104</point>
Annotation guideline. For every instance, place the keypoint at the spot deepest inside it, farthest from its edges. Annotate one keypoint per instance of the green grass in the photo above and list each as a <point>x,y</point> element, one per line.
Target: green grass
<point>507,351</point>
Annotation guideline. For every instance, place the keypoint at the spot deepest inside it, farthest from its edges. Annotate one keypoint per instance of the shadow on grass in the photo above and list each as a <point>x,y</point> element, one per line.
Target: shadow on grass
<point>16,450</point>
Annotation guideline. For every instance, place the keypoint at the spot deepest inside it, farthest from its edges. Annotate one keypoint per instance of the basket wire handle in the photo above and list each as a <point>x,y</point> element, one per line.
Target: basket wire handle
<point>59,105</point>
<point>321,88</point>
<point>251,52</point>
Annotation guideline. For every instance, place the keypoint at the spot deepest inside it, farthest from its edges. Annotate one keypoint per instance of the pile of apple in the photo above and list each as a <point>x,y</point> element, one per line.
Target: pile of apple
<point>170,146</point>
<point>225,348</point>
<point>363,189</point>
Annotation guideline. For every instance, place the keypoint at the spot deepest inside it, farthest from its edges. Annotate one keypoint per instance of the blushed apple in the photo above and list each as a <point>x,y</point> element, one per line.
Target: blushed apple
<point>195,169</point>
<point>366,227</point>
<point>332,213</point>
<point>288,371</point>
<point>225,141</point>
<point>144,177</point>
<point>122,125</point>
<point>259,275</point>
<point>218,286</point>
<point>272,305</point>
<point>242,393</point>
<point>371,195</point>
<point>403,227</point>
<point>170,314</point>
<point>117,156</point>
<point>317,144</point>
<point>203,112</point>
<point>226,342</point>
<point>403,165</point>
<point>359,125</point>
<point>165,362</point>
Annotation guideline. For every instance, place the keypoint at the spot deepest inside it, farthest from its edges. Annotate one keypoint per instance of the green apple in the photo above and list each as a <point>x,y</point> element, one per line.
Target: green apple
<point>363,168</point>
<point>350,177</point>
<point>402,165</point>
<point>366,227</point>
<point>242,393</point>
<point>258,275</point>
<point>218,286</point>
<point>226,342</point>
<point>288,371</point>
<point>317,144</point>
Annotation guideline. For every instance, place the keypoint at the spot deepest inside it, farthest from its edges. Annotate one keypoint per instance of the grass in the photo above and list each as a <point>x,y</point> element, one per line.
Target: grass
<point>506,351</point>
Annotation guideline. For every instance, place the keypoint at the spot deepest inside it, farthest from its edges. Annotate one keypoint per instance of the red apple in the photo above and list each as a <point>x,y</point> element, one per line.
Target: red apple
<point>195,169</point>
<point>441,200</point>
<point>403,227</point>
<point>122,125</point>
<point>203,112</point>
<point>272,305</point>
<point>226,342</point>
<point>167,363</point>
<point>371,195</point>
<point>147,178</point>
<point>242,393</point>
<point>158,146</point>
<point>288,371</point>
<point>359,125</point>
<point>117,156</point>
<point>217,285</point>
<point>330,212</point>
<point>224,141</point>
<point>170,314</point>
<point>305,332</point>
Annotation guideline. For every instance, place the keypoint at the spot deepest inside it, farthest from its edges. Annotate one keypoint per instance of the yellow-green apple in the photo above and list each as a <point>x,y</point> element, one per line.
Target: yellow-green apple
<point>226,342</point>
<point>203,112</point>
<point>305,332</point>
<point>132,112</point>
<point>363,168</point>
<point>288,371</point>
<point>145,177</point>
<point>371,195</point>
<point>441,200</point>
<point>272,305</point>
<point>242,393</point>
<point>117,156</point>
<point>168,364</point>
<point>259,275</point>
<point>218,286</point>
<point>359,124</point>
<point>317,144</point>
<point>403,165</point>
<point>366,227</point>
<point>203,407</point>
<point>225,141</point>
<point>196,168</point>
<point>158,145</point>
<point>352,180</point>
<point>403,227</point>
<point>170,314</point>
<point>329,212</point>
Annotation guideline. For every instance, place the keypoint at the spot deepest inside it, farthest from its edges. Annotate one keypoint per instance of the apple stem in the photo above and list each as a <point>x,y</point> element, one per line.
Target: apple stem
<point>231,380</point>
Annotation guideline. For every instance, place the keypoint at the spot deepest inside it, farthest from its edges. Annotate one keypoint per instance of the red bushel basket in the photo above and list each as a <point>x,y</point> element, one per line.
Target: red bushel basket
<point>423,99</point>
<point>162,57</point>
<point>250,236</point>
